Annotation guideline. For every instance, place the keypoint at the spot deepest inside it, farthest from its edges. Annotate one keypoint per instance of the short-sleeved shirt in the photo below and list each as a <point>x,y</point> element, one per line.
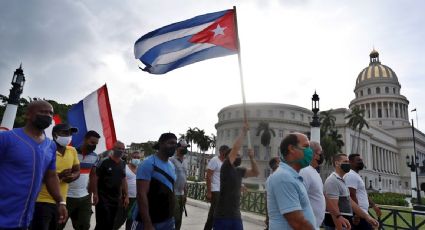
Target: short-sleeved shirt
<point>335,188</point>
<point>161,175</point>
<point>286,193</point>
<point>181,173</point>
<point>110,175</point>
<point>78,188</point>
<point>131,182</point>
<point>353,180</point>
<point>65,161</point>
<point>23,163</point>
<point>230,191</point>
<point>215,165</point>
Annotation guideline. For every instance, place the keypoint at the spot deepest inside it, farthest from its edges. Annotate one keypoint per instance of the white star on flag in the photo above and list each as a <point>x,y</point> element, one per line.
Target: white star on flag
<point>218,30</point>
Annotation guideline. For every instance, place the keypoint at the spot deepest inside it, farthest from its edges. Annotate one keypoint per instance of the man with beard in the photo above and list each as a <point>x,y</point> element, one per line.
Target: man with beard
<point>358,191</point>
<point>180,190</point>
<point>227,213</point>
<point>28,158</point>
<point>155,185</point>
<point>79,200</point>
<point>314,185</point>
<point>287,199</point>
<point>110,186</point>
<point>339,205</point>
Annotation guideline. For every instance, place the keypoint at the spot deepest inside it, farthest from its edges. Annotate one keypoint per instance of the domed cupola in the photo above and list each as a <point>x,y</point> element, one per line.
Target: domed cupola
<point>377,91</point>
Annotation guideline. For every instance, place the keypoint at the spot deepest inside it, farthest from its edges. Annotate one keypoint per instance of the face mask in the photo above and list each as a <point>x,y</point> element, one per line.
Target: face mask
<point>118,153</point>
<point>63,141</point>
<point>170,151</point>
<point>345,167</point>
<point>90,148</point>
<point>321,159</point>
<point>360,166</point>
<point>183,151</point>
<point>135,161</point>
<point>306,160</point>
<point>237,162</point>
<point>42,121</point>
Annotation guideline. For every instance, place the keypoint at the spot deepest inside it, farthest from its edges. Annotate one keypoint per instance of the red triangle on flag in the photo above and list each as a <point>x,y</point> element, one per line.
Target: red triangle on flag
<point>221,33</point>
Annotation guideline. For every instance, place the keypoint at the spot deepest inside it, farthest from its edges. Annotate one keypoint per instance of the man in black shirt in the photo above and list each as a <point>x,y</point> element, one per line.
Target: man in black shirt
<point>110,186</point>
<point>227,213</point>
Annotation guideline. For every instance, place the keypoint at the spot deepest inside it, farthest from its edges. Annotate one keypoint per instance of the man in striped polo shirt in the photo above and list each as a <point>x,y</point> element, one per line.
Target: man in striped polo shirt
<point>78,202</point>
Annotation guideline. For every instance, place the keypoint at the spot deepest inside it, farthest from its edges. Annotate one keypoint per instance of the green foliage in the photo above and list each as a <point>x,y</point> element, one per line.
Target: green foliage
<point>267,132</point>
<point>356,121</point>
<point>388,198</point>
<point>252,186</point>
<point>330,140</point>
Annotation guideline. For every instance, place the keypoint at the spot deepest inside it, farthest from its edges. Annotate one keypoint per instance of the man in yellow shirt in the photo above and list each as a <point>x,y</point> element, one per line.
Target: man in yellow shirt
<point>68,170</point>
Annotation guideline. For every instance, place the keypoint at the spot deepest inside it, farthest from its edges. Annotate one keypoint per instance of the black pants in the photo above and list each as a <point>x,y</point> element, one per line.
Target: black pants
<point>105,214</point>
<point>45,216</point>
<point>214,202</point>
<point>363,225</point>
<point>80,211</point>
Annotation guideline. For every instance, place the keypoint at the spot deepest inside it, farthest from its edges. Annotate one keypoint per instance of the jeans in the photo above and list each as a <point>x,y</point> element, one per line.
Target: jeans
<point>228,224</point>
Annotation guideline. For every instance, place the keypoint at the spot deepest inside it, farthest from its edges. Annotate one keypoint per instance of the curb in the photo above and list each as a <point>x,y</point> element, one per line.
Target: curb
<point>246,216</point>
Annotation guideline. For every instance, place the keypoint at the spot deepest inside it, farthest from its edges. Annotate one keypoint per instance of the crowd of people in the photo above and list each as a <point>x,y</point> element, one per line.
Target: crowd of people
<point>45,182</point>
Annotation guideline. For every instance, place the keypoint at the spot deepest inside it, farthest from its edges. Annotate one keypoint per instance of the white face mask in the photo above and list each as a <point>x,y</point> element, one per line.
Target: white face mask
<point>63,141</point>
<point>135,161</point>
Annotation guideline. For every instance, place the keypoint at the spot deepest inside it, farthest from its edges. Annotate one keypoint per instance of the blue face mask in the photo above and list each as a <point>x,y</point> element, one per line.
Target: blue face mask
<point>306,160</point>
<point>135,162</point>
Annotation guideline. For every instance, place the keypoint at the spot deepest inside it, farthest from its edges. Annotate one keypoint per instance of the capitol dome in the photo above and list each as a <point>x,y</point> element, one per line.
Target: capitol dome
<point>376,71</point>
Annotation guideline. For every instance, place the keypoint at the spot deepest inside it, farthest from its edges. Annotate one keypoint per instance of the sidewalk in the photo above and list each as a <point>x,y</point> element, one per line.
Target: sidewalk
<point>197,212</point>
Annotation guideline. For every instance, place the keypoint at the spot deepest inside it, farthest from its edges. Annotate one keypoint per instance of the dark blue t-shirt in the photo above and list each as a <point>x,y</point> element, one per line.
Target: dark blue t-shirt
<point>23,163</point>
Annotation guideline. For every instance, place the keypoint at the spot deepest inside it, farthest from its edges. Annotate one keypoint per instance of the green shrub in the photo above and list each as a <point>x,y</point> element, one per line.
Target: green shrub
<point>389,198</point>
<point>252,186</point>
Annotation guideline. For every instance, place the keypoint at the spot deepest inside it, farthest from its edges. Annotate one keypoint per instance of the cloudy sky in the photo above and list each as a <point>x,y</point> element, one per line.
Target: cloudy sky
<point>290,48</point>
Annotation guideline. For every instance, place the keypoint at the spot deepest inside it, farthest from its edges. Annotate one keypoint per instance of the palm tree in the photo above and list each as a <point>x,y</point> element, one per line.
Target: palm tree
<point>332,144</point>
<point>213,142</point>
<point>190,137</point>
<point>356,121</point>
<point>263,127</point>
<point>327,121</point>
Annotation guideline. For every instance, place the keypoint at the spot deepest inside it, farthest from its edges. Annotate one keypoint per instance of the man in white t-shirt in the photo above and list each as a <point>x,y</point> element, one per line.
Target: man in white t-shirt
<point>358,191</point>
<point>314,185</point>
<point>213,184</point>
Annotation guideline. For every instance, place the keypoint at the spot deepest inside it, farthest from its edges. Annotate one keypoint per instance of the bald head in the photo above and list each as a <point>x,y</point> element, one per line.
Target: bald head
<point>119,145</point>
<point>39,115</point>
<point>35,106</point>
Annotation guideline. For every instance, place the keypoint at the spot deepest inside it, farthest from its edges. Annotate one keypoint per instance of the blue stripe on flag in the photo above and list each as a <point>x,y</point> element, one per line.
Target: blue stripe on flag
<point>77,119</point>
<point>198,20</point>
<point>164,48</point>
<point>213,52</point>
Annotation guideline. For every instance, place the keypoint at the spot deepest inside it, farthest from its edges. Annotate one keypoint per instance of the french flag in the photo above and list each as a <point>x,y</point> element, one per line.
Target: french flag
<point>94,113</point>
<point>203,37</point>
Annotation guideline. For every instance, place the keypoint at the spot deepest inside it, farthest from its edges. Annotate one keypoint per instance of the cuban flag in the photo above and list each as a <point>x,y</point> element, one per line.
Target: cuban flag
<point>203,37</point>
<point>94,113</point>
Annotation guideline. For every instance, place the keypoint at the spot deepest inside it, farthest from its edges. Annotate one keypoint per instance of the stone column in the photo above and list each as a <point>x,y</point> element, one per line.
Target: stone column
<point>376,109</point>
<point>393,112</point>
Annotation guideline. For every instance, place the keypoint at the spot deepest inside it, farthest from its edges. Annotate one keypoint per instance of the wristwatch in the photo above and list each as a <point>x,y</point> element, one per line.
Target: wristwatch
<point>62,203</point>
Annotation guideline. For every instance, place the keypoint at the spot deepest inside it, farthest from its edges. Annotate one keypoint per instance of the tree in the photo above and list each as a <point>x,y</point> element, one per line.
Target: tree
<point>332,144</point>
<point>356,121</point>
<point>213,142</point>
<point>327,121</point>
<point>267,132</point>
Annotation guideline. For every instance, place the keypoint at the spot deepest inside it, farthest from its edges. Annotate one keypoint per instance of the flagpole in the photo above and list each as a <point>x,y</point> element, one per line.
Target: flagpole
<point>241,75</point>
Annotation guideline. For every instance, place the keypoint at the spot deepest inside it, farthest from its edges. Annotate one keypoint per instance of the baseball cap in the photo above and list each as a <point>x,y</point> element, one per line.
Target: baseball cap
<point>164,137</point>
<point>64,127</point>
<point>182,143</point>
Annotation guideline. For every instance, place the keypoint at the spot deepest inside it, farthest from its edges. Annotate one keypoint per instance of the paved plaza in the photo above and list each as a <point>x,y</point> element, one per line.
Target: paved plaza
<point>197,212</point>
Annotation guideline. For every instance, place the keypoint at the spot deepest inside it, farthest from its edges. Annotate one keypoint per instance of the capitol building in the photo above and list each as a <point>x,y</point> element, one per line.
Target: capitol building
<point>384,146</point>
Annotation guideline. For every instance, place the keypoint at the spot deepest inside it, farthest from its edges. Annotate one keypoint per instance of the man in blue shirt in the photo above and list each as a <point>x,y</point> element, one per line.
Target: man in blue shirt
<point>27,158</point>
<point>287,199</point>
<point>155,187</point>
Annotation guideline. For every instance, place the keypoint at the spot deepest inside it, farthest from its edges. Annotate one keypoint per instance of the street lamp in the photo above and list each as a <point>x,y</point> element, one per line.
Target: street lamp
<point>380,183</point>
<point>414,165</point>
<point>315,123</point>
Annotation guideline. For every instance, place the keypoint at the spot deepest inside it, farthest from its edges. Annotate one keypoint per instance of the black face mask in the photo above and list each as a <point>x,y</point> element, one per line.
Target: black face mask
<point>237,162</point>
<point>42,121</point>
<point>90,148</point>
<point>345,167</point>
<point>321,159</point>
<point>170,151</point>
<point>360,166</point>
<point>118,153</point>
<point>183,151</point>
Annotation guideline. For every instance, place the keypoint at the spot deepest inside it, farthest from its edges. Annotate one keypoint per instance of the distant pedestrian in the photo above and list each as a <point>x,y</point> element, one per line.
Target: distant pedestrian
<point>68,170</point>
<point>213,183</point>
<point>28,158</point>
<point>180,188</point>
<point>358,191</point>
<point>287,199</point>
<point>227,215</point>
<point>110,188</point>
<point>155,188</point>
<point>314,184</point>
<point>339,205</point>
<point>79,199</point>
<point>273,164</point>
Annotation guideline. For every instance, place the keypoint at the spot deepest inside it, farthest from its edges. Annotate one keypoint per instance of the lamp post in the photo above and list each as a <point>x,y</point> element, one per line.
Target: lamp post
<point>414,165</point>
<point>315,123</point>
<point>380,183</point>
<point>18,81</point>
